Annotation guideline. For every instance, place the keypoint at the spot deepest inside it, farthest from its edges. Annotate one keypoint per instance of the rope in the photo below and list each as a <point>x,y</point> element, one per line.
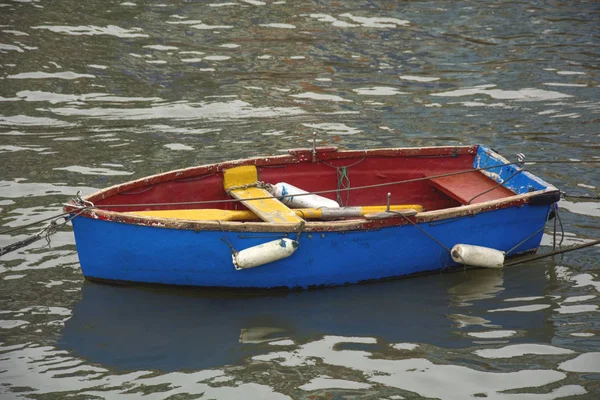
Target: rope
<point>18,228</point>
<point>16,246</point>
<point>322,191</point>
<point>524,240</point>
<point>562,229</point>
<point>377,185</point>
<point>343,183</point>
<point>83,205</point>
<point>574,196</point>
<point>561,251</point>
<point>300,227</point>
<point>562,162</point>
<point>343,180</point>
<point>495,187</point>
<point>45,233</point>
<point>225,240</point>
<point>421,229</point>
<point>554,230</point>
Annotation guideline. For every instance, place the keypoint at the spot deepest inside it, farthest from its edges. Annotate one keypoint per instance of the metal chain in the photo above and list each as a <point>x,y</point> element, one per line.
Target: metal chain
<point>258,184</point>
<point>225,240</point>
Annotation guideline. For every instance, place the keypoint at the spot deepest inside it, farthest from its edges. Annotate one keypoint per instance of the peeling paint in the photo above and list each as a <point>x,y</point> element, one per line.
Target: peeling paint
<point>296,156</point>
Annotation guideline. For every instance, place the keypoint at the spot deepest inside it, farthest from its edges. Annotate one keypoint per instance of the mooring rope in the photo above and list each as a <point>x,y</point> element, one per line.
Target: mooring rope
<point>343,185</point>
<point>22,243</point>
<point>376,185</point>
<point>45,233</point>
<point>422,230</point>
<point>562,229</point>
<point>553,253</point>
<point>337,190</point>
<point>500,184</point>
<point>83,206</point>
<point>575,196</point>
<point>524,240</point>
<point>18,228</point>
<point>563,161</point>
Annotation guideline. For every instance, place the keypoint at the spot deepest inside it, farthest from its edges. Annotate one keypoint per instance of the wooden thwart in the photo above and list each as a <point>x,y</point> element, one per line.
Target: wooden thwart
<point>465,187</point>
<point>238,183</point>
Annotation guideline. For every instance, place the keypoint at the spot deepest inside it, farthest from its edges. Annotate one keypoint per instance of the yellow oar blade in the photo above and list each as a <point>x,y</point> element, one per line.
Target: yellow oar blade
<point>246,215</point>
<point>201,215</point>
<point>238,183</point>
<point>399,207</point>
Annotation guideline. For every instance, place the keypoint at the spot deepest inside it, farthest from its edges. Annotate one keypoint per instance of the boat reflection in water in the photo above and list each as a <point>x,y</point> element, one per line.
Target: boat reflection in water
<point>173,329</point>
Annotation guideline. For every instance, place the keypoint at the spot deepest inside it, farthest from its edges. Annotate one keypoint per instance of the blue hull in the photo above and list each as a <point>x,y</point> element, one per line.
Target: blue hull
<point>126,252</point>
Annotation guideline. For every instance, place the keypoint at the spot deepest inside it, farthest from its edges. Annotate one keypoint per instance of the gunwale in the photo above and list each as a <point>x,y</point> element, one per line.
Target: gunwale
<point>297,156</point>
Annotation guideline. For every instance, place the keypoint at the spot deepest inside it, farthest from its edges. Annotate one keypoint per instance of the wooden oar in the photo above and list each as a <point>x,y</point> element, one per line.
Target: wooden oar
<point>247,215</point>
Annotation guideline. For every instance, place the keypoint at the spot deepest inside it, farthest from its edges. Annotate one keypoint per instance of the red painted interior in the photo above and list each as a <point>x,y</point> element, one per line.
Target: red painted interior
<point>203,184</point>
<point>471,188</point>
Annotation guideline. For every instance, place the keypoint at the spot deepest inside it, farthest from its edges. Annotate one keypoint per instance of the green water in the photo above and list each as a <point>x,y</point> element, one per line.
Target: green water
<point>96,93</point>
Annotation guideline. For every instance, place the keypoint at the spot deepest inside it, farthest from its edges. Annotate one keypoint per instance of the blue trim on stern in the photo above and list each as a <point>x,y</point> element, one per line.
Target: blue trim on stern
<point>524,182</point>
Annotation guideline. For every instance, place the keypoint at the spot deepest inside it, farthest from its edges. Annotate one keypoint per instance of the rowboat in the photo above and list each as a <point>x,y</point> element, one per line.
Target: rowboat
<point>345,217</point>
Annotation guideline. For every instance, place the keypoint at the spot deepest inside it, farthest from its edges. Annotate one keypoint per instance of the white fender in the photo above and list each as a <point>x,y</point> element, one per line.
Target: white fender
<point>264,253</point>
<point>477,256</point>
<point>306,201</point>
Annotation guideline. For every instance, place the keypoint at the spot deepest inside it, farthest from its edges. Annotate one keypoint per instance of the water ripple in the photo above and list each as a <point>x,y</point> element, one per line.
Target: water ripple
<point>91,30</point>
<point>99,94</point>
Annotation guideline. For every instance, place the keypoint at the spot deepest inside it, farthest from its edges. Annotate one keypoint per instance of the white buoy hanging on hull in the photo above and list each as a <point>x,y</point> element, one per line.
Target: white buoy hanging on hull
<point>264,253</point>
<point>287,194</point>
<point>477,256</point>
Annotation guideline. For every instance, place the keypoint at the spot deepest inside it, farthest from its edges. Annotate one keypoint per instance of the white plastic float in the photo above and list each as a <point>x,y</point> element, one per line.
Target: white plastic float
<point>287,194</point>
<point>477,256</point>
<point>264,253</point>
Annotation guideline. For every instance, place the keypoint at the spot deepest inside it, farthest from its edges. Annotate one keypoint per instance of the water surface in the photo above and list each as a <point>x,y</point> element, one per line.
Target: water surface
<point>100,92</point>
